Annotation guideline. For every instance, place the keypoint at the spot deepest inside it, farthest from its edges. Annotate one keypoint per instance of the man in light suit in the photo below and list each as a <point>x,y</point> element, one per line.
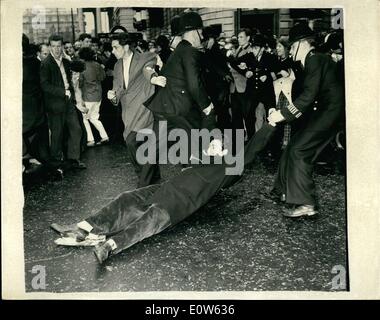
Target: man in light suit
<point>133,84</point>
<point>240,102</point>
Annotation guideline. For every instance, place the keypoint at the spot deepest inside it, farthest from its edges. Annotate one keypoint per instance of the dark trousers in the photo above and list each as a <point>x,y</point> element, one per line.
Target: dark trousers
<point>58,122</point>
<point>220,100</point>
<point>295,172</point>
<point>36,143</point>
<point>243,113</point>
<point>130,218</point>
<point>140,213</point>
<point>151,172</point>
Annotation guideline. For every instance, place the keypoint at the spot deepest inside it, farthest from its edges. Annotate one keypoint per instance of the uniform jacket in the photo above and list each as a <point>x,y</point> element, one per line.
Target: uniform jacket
<point>53,86</point>
<point>134,114</point>
<point>322,93</point>
<point>216,69</point>
<point>262,90</point>
<point>184,93</point>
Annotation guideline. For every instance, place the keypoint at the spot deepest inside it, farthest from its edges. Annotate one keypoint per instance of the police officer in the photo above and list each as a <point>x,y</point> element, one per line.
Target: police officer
<point>217,77</point>
<point>318,108</point>
<point>183,102</point>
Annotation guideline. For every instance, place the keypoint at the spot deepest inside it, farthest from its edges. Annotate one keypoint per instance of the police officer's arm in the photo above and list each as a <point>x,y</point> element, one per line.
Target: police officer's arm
<point>191,65</point>
<point>305,100</point>
<point>46,85</point>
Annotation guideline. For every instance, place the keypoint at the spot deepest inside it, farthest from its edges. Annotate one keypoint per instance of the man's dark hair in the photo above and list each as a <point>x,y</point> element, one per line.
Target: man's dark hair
<point>162,41</point>
<point>122,37</point>
<point>87,54</point>
<point>84,36</point>
<point>77,66</point>
<point>246,31</point>
<point>40,46</point>
<point>55,37</point>
<point>107,47</point>
<point>95,40</point>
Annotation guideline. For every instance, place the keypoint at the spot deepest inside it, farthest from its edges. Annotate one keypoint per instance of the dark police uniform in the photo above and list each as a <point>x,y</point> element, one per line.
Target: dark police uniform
<point>320,105</point>
<point>181,101</point>
<point>217,85</point>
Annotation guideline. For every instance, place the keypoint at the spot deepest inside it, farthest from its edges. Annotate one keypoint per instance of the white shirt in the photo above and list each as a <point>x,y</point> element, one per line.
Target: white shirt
<point>126,66</point>
<point>63,72</point>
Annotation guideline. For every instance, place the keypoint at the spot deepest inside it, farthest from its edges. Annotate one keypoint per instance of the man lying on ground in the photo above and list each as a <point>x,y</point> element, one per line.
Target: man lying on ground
<point>141,213</point>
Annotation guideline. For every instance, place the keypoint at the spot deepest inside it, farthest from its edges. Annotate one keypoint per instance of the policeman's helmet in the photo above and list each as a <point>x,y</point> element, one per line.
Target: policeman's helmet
<point>190,20</point>
<point>299,32</point>
<point>174,25</point>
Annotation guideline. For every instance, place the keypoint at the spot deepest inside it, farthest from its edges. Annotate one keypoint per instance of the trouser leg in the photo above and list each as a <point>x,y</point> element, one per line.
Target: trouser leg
<point>74,131</point>
<point>56,126</point>
<point>153,221</point>
<point>94,118</point>
<point>90,136</point>
<point>122,211</point>
<point>297,174</point>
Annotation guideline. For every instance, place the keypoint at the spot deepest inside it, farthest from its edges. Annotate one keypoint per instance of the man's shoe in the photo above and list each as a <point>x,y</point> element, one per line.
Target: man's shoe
<point>70,231</point>
<point>299,211</point>
<point>103,141</point>
<point>91,144</point>
<point>102,252</point>
<point>77,164</point>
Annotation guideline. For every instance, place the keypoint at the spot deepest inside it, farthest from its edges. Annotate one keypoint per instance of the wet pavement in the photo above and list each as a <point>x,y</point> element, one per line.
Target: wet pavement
<point>239,241</point>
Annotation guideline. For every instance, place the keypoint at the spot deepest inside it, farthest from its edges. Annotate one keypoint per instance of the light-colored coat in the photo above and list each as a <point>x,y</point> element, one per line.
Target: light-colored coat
<point>134,114</point>
<point>240,82</point>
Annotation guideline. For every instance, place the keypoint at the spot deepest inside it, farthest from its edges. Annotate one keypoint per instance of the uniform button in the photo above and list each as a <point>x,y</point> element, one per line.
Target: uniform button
<point>182,91</point>
<point>256,87</point>
<point>315,108</point>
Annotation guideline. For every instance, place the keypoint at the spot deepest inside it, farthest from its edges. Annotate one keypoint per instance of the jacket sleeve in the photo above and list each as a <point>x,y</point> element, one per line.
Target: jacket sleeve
<point>149,67</point>
<point>101,73</point>
<point>191,65</point>
<point>47,86</point>
<point>117,82</point>
<point>313,74</point>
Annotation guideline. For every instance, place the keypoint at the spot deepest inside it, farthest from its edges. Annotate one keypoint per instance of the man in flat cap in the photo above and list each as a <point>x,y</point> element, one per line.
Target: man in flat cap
<point>318,108</point>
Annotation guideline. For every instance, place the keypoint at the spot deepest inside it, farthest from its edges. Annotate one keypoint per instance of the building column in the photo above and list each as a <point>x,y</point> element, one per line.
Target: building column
<point>80,21</point>
<point>98,21</point>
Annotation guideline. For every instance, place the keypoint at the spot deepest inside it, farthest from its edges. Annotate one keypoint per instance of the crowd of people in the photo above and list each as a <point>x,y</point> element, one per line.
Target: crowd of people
<point>194,79</point>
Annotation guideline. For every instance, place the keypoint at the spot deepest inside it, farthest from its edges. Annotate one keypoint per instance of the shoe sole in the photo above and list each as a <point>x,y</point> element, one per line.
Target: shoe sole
<point>300,215</point>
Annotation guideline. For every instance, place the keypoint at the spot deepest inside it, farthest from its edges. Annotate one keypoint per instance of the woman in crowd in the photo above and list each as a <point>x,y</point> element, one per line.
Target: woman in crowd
<point>90,85</point>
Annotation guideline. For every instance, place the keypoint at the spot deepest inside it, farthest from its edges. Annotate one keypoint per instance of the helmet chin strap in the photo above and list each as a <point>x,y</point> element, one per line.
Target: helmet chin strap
<point>298,47</point>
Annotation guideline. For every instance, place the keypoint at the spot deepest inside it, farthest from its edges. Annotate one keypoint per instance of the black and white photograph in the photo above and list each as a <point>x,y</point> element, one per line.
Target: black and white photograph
<point>183,149</point>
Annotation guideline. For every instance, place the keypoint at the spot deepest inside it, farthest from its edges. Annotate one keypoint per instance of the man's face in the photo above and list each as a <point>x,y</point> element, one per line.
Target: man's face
<point>77,45</point>
<point>95,47</point>
<point>69,49</point>
<point>86,42</point>
<point>56,48</point>
<point>117,49</point>
<point>242,39</point>
<point>44,52</point>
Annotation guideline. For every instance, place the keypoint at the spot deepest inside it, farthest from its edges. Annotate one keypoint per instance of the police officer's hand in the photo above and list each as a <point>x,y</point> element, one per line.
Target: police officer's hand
<point>249,74</point>
<point>284,73</point>
<point>275,117</point>
<point>158,81</point>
